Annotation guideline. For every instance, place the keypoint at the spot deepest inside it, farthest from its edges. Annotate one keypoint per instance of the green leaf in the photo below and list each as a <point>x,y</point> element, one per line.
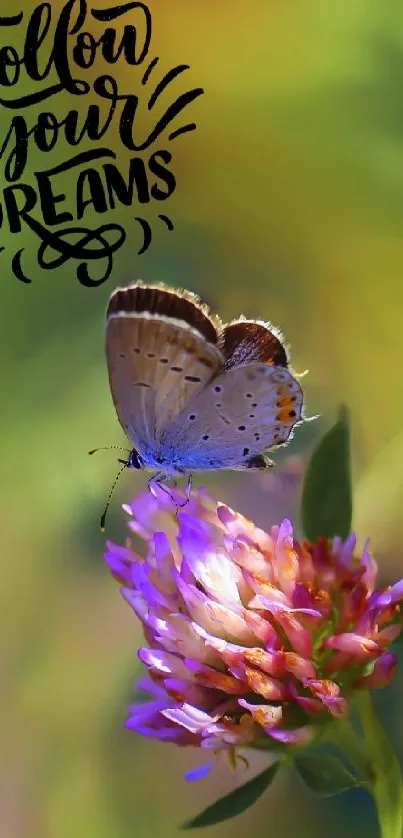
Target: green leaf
<point>236,802</point>
<point>387,784</point>
<point>326,496</point>
<point>324,775</point>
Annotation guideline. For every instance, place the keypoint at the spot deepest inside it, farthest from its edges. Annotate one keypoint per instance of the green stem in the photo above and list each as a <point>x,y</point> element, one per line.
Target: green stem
<point>343,735</point>
<point>384,770</point>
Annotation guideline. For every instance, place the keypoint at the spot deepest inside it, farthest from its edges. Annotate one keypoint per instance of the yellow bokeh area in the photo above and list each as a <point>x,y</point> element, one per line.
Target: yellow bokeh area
<point>288,207</point>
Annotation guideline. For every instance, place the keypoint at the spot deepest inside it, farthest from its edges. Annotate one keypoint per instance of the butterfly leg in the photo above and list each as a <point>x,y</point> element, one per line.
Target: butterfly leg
<point>157,479</point>
<point>188,494</point>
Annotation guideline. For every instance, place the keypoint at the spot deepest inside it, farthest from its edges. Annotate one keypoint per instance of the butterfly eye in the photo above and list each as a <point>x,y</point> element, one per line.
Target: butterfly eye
<point>134,460</point>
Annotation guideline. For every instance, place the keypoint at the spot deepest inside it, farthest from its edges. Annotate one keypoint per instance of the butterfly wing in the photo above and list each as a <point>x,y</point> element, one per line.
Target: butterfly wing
<point>245,341</point>
<point>157,360</point>
<point>238,415</point>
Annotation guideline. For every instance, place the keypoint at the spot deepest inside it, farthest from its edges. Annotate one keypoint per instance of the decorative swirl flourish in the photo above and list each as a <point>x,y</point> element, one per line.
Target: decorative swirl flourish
<point>146,233</point>
<point>56,241</point>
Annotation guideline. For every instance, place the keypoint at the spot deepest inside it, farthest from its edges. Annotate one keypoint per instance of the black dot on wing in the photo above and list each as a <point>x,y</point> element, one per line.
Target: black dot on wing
<point>192,417</point>
<point>122,355</point>
<point>241,427</point>
<point>164,361</point>
<point>248,395</point>
<point>177,369</point>
<point>193,378</point>
<point>251,416</point>
<point>217,388</point>
<point>205,437</point>
<point>136,350</point>
<point>245,452</point>
<point>218,404</point>
<point>254,404</point>
<point>150,354</point>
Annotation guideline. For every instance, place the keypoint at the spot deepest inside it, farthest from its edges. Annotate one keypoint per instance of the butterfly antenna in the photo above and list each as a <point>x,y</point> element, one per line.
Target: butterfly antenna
<point>103,516</point>
<point>108,447</point>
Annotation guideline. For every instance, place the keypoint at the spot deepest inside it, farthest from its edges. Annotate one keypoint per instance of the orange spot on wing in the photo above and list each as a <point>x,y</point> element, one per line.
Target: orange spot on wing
<point>285,416</point>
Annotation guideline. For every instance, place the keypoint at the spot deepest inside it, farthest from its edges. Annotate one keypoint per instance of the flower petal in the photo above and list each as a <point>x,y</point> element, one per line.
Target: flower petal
<point>200,772</point>
<point>295,736</point>
<point>191,718</point>
<point>382,673</point>
<point>285,562</point>
<point>266,715</point>
<point>248,634</point>
<point>353,644</point>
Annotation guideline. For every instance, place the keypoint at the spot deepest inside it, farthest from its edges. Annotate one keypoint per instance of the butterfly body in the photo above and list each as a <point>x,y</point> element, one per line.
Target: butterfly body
<point>192,393</point>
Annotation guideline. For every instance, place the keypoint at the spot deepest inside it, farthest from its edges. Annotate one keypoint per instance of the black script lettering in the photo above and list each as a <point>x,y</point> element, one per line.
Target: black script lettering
<point>85,50</point>
<point>37,29</point>
<point>46,134</point>
<point>79,159</point>
<point>57,46</point>
<point>11,20</point>
<point>35,36</point>
<point>91,126</point>
<point>163,173</point>
<point>14,212</point>
<point>46,124</point>
<point>60,52</point>
<point>129,38</point>
<point>129,108</point>
<point>17,158</point>
<point>117,186</point>
<point>48,200</point>
<point>126,125</point>
<point>93,179</point>
<point>9,58</point>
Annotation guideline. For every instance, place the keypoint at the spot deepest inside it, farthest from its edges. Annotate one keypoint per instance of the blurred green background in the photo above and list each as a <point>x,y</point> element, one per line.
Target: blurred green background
<point>289,207</point>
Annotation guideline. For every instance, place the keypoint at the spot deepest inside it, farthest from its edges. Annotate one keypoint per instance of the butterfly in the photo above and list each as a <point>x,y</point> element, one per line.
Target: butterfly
<point>191,392</point>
